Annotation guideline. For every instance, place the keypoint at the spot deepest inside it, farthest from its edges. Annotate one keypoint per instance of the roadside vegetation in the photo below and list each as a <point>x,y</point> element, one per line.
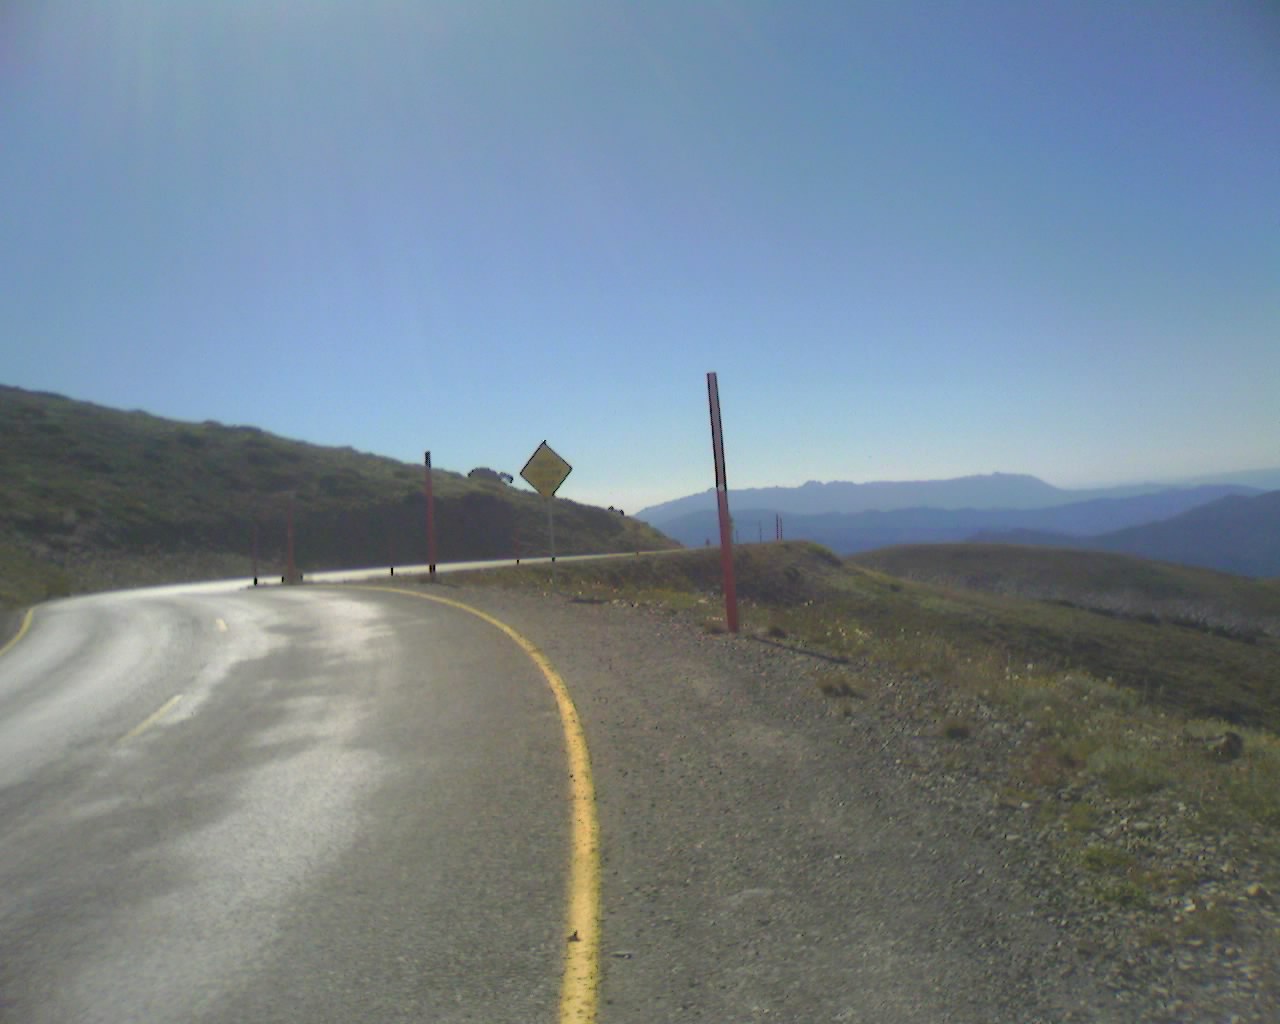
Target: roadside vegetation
<point>1114,584</point>
<point>25,580</point>
<point>1144,749</point>
<point>97,498</point>
<point>966,635</point>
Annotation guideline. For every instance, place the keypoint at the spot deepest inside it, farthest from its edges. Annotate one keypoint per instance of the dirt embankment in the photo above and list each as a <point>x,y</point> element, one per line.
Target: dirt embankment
<point>10,623</point>
<point>779,847</point>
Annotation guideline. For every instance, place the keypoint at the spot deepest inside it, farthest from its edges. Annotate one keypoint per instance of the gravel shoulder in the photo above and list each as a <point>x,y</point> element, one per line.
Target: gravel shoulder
<point>769,854</point>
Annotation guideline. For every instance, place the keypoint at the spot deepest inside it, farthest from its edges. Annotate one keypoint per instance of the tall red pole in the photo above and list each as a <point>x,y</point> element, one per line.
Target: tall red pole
<point>722,501</point>
<point>431,522</point>
<point>291,568</point>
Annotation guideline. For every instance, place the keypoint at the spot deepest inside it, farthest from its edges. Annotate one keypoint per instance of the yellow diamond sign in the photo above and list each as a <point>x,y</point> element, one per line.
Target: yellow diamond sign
<point>545,471</point>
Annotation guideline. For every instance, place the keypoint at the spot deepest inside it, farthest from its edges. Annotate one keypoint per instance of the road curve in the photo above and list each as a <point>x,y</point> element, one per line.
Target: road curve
<point>277,805</point>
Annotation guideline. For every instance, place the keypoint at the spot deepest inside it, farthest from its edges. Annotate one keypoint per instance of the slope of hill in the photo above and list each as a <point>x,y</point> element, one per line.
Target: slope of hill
<point>964,632</point>
<point>1114,584</point>
<point>1239,534</point>
<point>864,531</point>
<point>1075,737</point>
<point>98,497</point>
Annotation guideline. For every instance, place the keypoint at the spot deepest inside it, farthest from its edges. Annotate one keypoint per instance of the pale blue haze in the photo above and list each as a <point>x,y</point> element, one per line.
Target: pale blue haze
<point>915,239</point>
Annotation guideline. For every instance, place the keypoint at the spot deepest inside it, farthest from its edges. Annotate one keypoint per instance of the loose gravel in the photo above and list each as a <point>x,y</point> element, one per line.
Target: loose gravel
<point>774,853</point>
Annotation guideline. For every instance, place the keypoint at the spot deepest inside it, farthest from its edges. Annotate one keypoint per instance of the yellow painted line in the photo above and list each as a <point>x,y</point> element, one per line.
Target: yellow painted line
<point>580,983</point>
<point>222,625</point>
<point>22,631</point>
<point>151,719</point>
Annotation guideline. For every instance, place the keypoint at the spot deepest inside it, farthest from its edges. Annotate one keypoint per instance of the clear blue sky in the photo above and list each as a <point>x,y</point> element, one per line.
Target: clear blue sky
<point>914,239</point>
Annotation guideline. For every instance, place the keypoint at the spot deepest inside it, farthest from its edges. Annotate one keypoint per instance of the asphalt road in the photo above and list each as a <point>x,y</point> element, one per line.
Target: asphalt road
<point>277,805</point>
<point>336,804</point>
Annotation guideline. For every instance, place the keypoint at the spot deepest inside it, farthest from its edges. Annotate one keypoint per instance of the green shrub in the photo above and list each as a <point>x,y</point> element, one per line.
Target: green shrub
<point>1128,771</point>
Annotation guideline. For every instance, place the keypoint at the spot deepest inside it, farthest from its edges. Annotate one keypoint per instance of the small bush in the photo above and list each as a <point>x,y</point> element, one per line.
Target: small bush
<point>1254,786</point>
<point>1081,817</point>
<point>1128,771</point>
<point>1106,858</point>
<point>1208,921</point>
<point>1122,892</point>
<point>1051,766</point>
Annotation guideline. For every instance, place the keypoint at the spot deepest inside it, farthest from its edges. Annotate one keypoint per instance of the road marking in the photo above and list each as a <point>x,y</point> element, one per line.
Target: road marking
<point>581,980</point>
<point>222,625</point>
<point>22,631</point>
<point>151,719</point>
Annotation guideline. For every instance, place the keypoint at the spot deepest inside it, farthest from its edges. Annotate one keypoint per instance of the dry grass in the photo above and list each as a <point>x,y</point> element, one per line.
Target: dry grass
<point>94,494</point>
<point>1123,706</point>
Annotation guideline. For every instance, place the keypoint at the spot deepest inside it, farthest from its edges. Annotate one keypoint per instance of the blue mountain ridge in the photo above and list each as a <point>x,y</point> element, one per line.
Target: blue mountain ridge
<point>1237,533</point>
<point>849,533</point>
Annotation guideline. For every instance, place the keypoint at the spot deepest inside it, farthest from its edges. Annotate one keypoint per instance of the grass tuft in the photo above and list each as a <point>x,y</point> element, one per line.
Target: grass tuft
<point>1129,771</point>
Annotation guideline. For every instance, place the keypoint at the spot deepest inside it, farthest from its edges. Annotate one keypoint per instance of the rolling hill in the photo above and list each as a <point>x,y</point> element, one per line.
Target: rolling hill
<point>1238,534</point>
<point>97,497</point>
<point>1114,584</point>
<point>849,533</point>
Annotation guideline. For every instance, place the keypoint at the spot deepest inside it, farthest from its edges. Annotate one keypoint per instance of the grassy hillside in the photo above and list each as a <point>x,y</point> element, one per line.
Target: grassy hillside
<point>1097,741</point>
<point>1116,584</point>
<point>98,497</point>
<point>805,591</point>
<point>1236,534</point>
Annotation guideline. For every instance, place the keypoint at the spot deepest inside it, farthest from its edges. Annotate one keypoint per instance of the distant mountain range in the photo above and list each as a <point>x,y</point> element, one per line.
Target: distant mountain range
<point>989,491</point>
<point>1009,507</point>
<point>997,490</point>
<point>1235,534</point>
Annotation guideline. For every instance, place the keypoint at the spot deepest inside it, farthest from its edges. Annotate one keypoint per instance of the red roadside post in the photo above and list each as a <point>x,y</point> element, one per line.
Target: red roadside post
<point>290,568</point>
<point>431,523</point>
<point>722,501</point>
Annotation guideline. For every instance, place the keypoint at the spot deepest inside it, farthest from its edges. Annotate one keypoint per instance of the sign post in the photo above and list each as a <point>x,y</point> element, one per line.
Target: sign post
<point>551,534</point>
<point>545,472</point>
<point>722,503</point>
<point>431,522</point>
